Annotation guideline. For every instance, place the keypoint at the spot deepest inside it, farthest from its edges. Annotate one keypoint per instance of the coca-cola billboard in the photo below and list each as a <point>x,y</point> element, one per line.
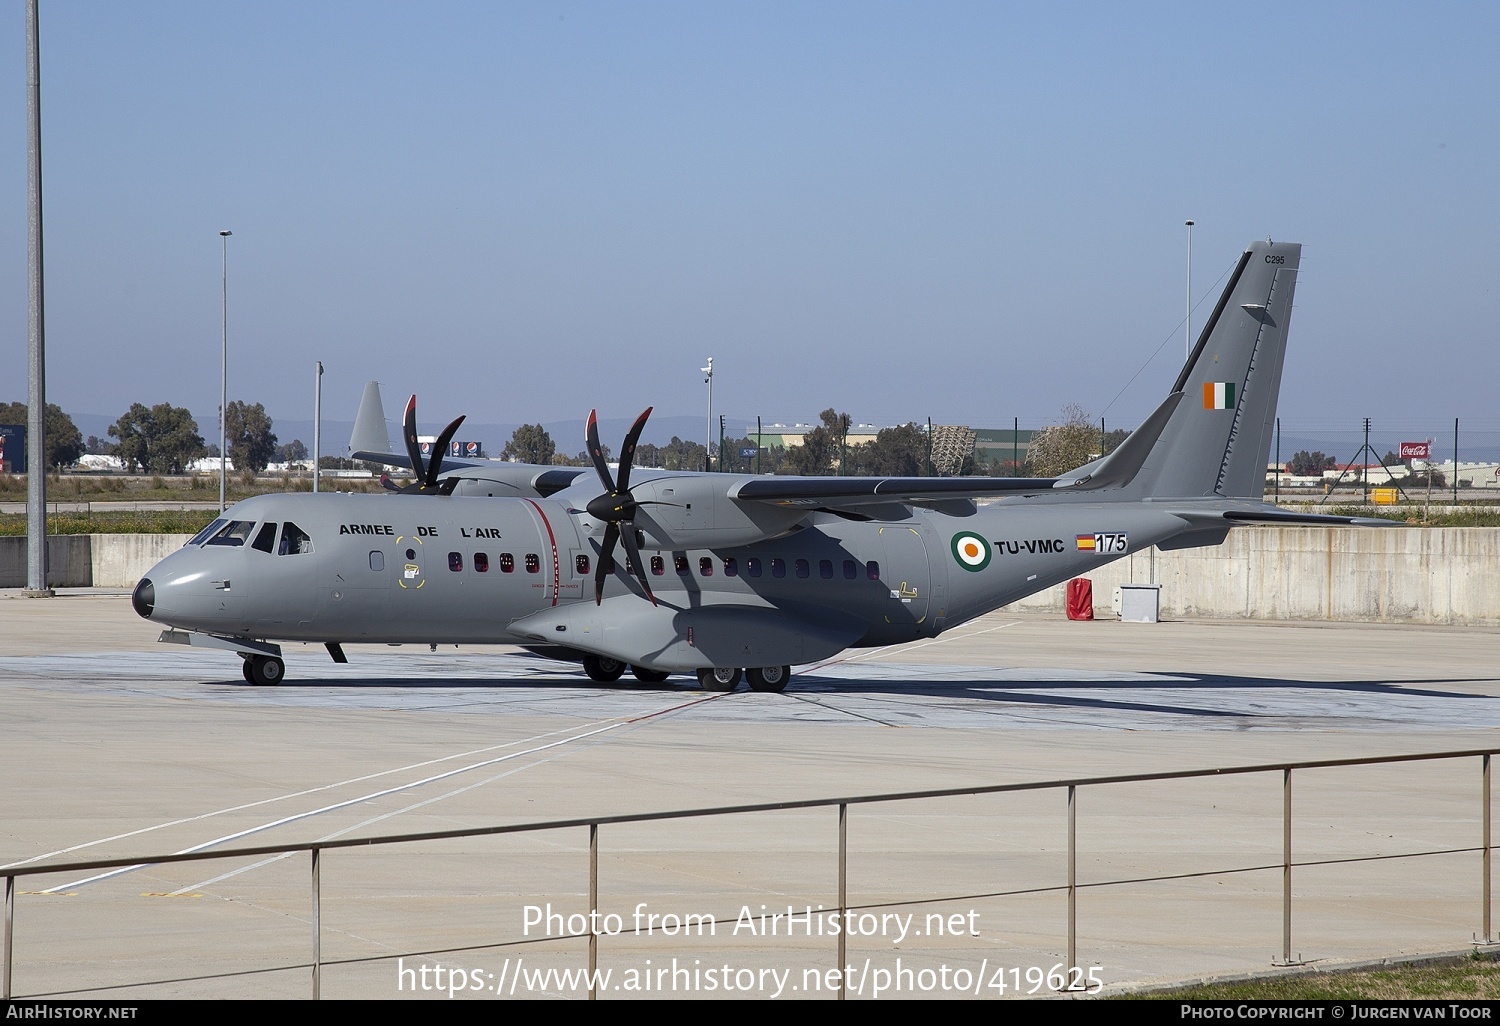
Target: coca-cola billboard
<point>1415,451</point>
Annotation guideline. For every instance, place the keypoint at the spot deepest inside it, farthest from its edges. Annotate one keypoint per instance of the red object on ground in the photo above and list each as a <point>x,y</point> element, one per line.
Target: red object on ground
<point>1080,599</point>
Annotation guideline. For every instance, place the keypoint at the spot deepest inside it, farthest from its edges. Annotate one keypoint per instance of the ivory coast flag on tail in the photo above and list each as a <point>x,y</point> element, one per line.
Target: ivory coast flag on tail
<point>1218,395</point>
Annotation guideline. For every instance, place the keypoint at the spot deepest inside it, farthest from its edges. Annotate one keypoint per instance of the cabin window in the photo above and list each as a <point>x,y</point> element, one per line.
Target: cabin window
<point>825,569</point>
<point>581,565</point>
<point>801,568</point>
<point>456,561</point>
<point>265,538</point>
<point>377,559</point>
<point>207,532</point>
<point>851,570</point>
<point>658,566</point>
<point>752,566</point>
<point>507,563</point>
<point>731,566</point>
<point>706,566</point>
<point>680,564</point>
<point>872,570</point>
<point>294,540</point>
<point>233,533</point>
<point>533,563</point>
<point>481,562</point>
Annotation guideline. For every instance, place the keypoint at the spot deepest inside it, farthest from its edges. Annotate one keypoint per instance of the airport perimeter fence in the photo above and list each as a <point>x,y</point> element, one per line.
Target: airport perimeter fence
<point>1470,444</point>
<point>1061,978</point>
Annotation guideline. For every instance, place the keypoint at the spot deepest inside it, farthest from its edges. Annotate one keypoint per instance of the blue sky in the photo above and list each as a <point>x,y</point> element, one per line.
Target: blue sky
<point>963,211</point>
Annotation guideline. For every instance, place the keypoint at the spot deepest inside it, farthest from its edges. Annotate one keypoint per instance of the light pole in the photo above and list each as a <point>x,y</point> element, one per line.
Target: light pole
<point>317,422</point>
<point>224,375</point>
<point>1187,330</point>
<point>708,434</point>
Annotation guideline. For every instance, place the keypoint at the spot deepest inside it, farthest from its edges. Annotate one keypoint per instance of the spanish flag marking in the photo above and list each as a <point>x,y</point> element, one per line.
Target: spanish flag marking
<point>1086,543</point>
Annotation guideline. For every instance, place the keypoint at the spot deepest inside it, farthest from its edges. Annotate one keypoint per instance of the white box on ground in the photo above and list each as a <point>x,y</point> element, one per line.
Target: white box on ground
<point>1139,603</point>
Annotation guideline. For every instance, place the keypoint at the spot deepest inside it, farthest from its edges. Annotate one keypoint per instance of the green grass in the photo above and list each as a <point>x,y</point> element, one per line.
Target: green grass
<point>1475,978</point>
<point>167,521</point>
<point>1468,516</point>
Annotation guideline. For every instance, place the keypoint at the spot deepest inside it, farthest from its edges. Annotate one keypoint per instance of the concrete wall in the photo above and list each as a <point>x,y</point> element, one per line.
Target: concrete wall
<point>89,560</point>
<point>1406,575</point>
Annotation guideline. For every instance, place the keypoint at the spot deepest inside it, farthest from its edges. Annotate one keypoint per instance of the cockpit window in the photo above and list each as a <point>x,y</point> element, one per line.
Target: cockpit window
<point>265,538</point>
<point>233,533</point>
<point>294,541</point>
<point>207,532</point>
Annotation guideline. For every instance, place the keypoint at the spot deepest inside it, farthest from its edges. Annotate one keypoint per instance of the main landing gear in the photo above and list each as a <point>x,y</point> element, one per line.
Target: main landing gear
<point>264,670</point>
<point>761,678</point>
<point>607,670</point>
<point>768,678</point>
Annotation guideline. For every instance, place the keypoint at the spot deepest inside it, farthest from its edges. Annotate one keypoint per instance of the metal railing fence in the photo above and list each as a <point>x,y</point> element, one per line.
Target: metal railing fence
<point>842,804</point>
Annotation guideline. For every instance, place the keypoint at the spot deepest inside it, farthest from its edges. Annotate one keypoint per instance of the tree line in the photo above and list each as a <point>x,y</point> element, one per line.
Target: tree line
<point>900,451</point>
<point>162,439</point>
<point>165,439</point>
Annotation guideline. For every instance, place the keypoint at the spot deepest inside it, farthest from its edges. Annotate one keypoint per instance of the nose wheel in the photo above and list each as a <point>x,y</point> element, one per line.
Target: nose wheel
<point>264,670</point>
<point>602,668</point>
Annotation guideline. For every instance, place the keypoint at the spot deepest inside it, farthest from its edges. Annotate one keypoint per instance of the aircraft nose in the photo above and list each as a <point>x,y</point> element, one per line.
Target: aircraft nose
<point>144,597</point>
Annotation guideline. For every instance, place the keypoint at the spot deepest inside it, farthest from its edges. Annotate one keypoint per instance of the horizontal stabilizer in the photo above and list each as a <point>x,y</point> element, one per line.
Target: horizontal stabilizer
<point>1265,514</point>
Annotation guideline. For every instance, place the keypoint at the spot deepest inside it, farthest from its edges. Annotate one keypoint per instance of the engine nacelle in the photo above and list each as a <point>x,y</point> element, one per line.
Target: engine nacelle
<point>694,512</point>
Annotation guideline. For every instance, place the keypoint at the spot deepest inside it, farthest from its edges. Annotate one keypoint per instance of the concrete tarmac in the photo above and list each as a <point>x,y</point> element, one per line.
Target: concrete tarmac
<point>114,746</point>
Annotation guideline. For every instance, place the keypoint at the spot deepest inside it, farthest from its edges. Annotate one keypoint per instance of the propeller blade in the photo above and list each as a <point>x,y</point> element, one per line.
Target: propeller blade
<point>596,452</point>
<point>435,465</point>
<point>409,433</point>
<point>606,553</point>
<point>627,452</point>
<point>627,534</point>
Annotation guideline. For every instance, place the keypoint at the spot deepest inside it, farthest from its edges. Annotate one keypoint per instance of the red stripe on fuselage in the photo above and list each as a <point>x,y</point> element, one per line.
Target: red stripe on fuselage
<point>551,540</point>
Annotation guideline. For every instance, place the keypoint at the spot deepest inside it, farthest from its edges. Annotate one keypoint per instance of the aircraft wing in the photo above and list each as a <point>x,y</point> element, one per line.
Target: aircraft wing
<point>392,459</point>
<point>872,491</point>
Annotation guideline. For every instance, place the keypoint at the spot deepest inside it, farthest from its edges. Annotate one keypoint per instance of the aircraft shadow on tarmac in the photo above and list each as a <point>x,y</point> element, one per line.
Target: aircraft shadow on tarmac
<point>1101,694</point>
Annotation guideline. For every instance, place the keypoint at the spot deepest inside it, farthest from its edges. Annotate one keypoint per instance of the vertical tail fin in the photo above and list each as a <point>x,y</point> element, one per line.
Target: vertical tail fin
<point>1217,440</point>
<point>370,432</point>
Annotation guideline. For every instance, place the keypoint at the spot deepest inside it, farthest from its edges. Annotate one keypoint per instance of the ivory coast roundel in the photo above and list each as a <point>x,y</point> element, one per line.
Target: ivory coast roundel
<point>971,551</point>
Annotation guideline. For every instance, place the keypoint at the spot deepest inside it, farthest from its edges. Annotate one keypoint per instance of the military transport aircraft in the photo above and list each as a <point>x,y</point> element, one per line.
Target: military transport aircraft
<point>725,575</point>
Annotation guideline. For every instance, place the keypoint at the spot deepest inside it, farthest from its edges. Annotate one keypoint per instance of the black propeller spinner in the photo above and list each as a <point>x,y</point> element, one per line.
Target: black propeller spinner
<point>616,507</point>
<point>427,482</point>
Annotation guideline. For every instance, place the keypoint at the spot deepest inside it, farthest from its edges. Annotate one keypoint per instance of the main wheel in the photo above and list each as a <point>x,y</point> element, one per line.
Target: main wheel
<point>248,671</point>
<point>768,678</point>
<point>720,678</point>
<point>646,676</point>
<point>267,670</point>
<point>602,668</point>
